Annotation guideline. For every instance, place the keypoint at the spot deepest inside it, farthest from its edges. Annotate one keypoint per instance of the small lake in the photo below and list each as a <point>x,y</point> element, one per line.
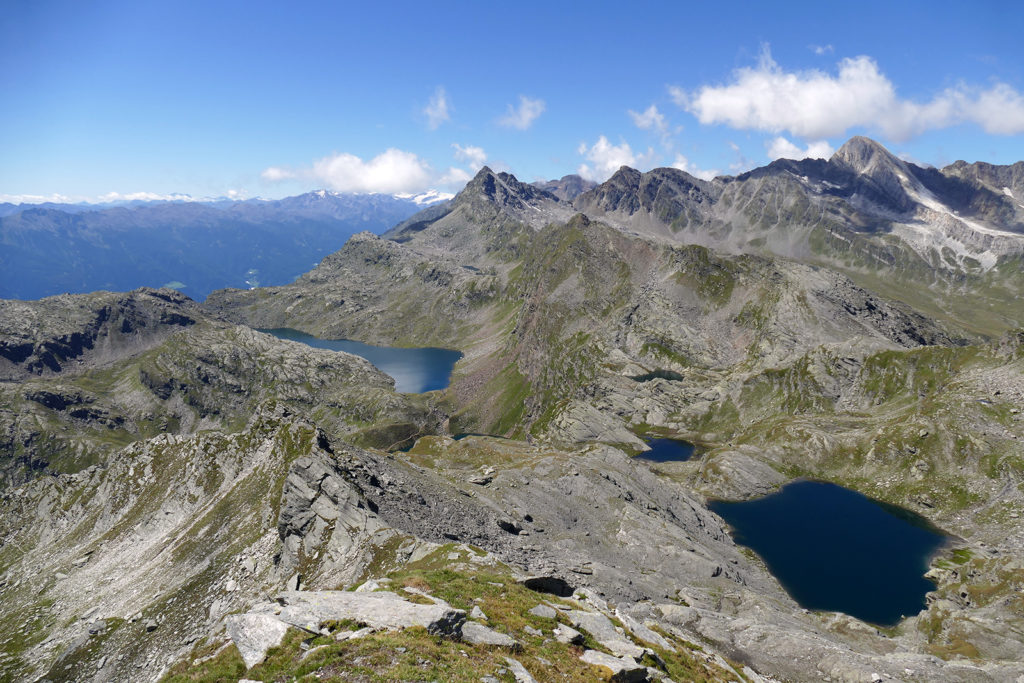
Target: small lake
<point>837,550</point>
<point>667,450</point>
<point>415,370</point>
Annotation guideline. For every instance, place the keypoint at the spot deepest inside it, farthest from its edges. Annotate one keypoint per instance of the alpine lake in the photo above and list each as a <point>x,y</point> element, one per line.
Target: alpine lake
<point>831,548</point>
<point>415,370</point>
<point>834,549</point>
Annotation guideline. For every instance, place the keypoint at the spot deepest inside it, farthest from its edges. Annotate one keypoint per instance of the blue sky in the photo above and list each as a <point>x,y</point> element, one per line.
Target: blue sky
<point>108,99</point>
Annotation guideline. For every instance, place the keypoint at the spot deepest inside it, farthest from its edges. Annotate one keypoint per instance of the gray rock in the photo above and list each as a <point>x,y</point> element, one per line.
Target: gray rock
<point>533,631</point>
<point>544,611</point>
<point>603,630</point>
<point>642,631</point>
<point>478,634</point>
<point>624,669</point>
<point>568,635</point>
<point>477,613</point>
<point>380,610</point>
<point>254,634</point>
<point>519,671</point>
<point>371,585</point>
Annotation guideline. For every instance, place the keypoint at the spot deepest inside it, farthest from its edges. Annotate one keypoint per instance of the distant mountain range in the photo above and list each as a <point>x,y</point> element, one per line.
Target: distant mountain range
<point>195,246</point>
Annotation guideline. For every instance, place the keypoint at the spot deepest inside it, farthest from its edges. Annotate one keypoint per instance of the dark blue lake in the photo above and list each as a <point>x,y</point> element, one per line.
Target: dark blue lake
<point>835,549</point>
<point>667,450</point>
<point>414,370</point>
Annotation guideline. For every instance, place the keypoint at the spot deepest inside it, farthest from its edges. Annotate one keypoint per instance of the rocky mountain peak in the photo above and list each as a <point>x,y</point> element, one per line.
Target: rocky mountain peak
<point>865,156</point>
<point>567,187</point>
<point>503,189</point>
<point>625,177</point>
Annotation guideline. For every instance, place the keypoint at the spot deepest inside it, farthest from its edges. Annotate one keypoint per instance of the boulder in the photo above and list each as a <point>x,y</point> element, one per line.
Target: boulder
<point>478,634</point>
<point>254,634</point>
<point>544,611</point>
<point>519,671</point>
<point>380,610</point>
<point>624,669</point>
<point>604,632</point>
<point>568,635</point>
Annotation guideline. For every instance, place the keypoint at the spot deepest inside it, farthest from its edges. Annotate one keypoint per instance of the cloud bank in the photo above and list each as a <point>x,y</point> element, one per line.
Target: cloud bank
<point>814,104</point>
<point>393,171</point>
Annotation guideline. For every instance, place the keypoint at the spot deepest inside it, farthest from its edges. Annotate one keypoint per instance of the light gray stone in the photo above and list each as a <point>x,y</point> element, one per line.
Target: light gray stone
<point>568,635</point>
<point>254,634</point>
<point>604,632</point>
<point>478,634</point>
<point>381,610</point>
<point>477,613</point>
<point>624,669</point>
<point>519,671</point>
<point>642,631</point>
<point>544,611</point>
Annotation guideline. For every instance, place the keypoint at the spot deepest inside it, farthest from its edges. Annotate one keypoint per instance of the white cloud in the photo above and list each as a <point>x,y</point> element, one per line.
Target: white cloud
<point>683,164</point>
<point>822,49</point>
<point>276,173</point>
<point>523,116</point>
<point>998,110</point>
<point>455,176</point>
<point>679,96</point>
<point>814,104</point>
<point>781,148</point>
<point>112,197</point>
<point>606,158</point>
<point>650,119</point>
<point>394,171</point>
<point>438,109</point>
<point>474,156</point>
<point>108,198</point>
<point>38,199</point>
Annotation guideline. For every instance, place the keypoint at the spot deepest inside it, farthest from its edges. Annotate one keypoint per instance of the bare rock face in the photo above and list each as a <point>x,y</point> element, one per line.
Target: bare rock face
<point>317,502</point>
<point>69,332</point>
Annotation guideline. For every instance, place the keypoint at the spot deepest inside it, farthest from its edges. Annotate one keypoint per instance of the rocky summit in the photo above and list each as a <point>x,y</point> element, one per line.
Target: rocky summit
<point>186,498</point>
